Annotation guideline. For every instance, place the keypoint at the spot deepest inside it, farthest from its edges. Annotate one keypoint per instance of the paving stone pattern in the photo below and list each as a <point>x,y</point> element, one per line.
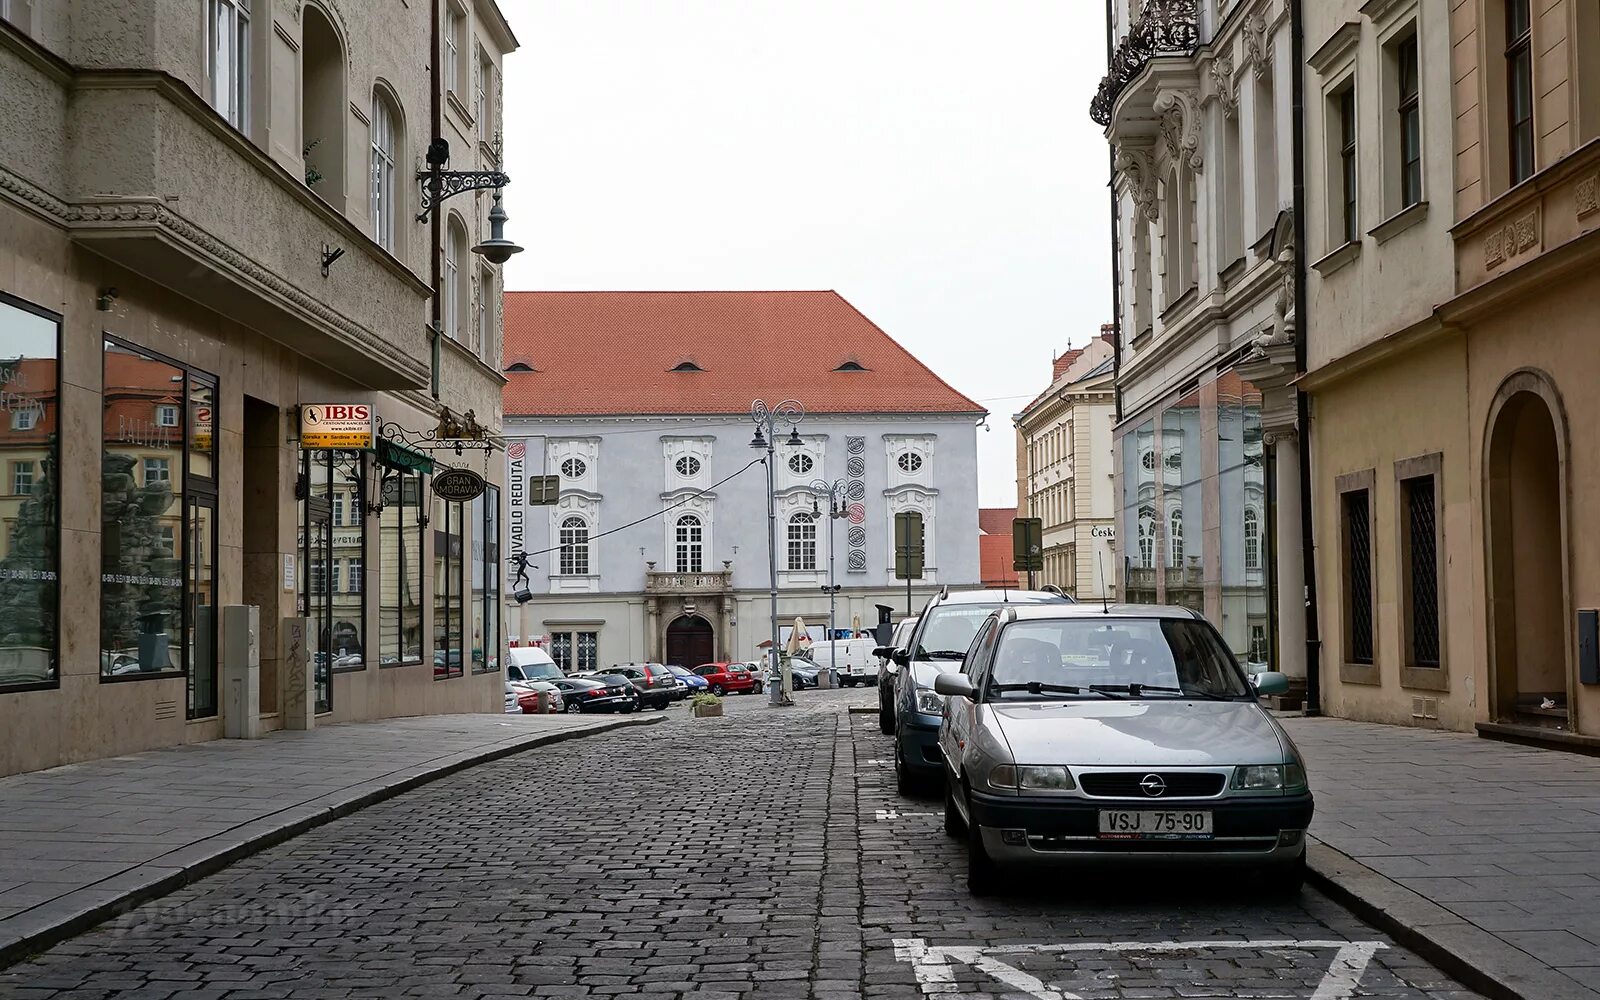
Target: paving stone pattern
<point>716,858</point>
<point>1504,836</point>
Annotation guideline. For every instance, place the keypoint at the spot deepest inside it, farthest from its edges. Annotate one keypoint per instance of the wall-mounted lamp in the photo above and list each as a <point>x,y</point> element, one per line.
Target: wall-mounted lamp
<point>106,297</point>
<point>329,255</point>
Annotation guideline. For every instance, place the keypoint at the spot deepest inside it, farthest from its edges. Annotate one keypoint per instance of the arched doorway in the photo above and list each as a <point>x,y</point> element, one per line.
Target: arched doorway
<point>1527,573</point>
<point>690,641</point>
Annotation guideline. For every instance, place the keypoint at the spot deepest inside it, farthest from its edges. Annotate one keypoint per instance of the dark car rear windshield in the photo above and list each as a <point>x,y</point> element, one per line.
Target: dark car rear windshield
<point>950,628</point>
<point>1126,656</point>
<point>612,680</point>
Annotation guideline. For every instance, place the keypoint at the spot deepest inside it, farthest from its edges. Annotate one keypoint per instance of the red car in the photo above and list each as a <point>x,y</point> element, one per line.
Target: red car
<point>727,678</point>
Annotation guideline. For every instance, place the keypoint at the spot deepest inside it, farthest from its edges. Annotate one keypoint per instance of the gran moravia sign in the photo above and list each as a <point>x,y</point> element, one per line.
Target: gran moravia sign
<point>458,485</point>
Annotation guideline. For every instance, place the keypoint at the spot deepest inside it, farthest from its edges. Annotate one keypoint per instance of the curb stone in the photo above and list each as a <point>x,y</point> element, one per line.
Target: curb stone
<point>1468,953</point>
<point>82,909</point>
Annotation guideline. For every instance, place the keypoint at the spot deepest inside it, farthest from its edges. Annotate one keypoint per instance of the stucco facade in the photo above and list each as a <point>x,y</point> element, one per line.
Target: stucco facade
<point>1196,105</point>
<point>165,218</point>
<point>1066,474</point>
<point>1452,567</point>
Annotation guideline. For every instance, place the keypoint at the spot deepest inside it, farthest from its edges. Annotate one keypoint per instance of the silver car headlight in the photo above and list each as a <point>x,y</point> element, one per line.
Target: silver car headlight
<point>1031,778</point>
<point>929,702</point>
<point>1284,778</point>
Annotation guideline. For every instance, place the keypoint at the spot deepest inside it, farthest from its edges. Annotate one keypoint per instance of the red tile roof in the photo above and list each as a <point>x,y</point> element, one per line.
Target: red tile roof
<point>994,558</point>
<point>613,352</point>
<point>1064,361</point>
<point>996,520</point>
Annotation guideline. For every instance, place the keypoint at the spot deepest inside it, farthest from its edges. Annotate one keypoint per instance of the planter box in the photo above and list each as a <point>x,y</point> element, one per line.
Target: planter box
<point>707,711</point>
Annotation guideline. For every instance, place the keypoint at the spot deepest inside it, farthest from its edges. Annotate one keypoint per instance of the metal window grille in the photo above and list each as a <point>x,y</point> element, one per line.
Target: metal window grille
<point>1424,566</point>
<point>1358,574</point>
<point>588,651</point>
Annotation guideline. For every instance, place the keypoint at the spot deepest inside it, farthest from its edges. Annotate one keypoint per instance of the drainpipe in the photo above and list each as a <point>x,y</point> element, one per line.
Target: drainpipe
<point>436,129</point>
<point>1302,401</point>
<point>1116,258</point>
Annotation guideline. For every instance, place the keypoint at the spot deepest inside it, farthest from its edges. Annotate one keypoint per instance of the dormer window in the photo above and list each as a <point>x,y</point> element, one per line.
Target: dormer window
<point>687,366</point>
<point>851,366</point>
<point>520,366</point>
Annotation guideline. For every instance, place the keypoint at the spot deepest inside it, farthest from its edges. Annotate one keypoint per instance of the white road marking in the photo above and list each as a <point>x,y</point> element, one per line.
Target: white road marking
<point>888,814</point>
<point>934,974</point>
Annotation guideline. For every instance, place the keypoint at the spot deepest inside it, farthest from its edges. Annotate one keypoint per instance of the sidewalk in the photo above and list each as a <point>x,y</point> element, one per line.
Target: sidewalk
<point>83,842</point>
<point>1479,853</point>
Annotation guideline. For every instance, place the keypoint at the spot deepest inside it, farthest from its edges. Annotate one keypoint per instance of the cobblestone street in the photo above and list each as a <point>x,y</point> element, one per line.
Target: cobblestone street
<point>763,854</point>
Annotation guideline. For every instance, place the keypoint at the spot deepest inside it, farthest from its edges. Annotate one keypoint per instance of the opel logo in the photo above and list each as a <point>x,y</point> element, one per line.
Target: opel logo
<point>1153,785</point>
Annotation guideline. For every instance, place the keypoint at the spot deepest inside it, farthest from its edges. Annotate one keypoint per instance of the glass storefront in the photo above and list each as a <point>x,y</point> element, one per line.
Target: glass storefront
<point>486,613</point>
<point>30,539</point>
<point>401,566</point>
<point>1195,462</point>
<point>158,523</point>
<point>333,555</point>
<point>449,599</point>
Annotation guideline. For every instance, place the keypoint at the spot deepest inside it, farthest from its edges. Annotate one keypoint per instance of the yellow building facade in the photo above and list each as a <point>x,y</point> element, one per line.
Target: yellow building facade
<point>1453,155</point>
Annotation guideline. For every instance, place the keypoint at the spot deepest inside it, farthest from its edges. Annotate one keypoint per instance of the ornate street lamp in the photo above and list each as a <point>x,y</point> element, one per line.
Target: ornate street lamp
<point>767,420</point>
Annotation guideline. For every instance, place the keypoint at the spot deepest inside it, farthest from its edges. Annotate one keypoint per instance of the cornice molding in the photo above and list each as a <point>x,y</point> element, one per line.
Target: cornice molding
<point>1340,44</point>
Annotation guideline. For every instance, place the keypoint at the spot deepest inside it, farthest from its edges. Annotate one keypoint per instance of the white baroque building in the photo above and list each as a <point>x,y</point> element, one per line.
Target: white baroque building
<point>656,546</point>
<point>1196,106</point>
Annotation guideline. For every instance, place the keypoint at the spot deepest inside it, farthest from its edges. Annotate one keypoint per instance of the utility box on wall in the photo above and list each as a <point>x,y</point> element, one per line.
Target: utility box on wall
<point>1589,646</point>
<point>241,671</point>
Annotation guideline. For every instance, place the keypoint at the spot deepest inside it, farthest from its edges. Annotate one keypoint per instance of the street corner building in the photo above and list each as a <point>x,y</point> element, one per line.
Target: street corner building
<point>219,378</point>
<point>1196,104</point>
<point>1453,156</point>
<point>654,544</point>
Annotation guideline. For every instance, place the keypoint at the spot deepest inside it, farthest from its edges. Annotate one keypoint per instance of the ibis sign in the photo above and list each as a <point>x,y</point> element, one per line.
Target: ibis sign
<point>458,485</point>
<point>336,425</point>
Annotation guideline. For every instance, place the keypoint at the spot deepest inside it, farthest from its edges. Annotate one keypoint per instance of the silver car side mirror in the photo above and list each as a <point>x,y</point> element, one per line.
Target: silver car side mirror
<point>1270,682</point>
<point>955,686</point>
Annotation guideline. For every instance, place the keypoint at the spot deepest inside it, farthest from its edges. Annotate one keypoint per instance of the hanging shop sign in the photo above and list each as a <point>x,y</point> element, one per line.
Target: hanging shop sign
<point>200,434</point>
<point>458,485</point>
<point>336,425</point>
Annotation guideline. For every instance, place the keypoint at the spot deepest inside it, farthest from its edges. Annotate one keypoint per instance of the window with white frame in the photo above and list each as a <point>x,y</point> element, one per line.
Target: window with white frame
<point>454,27</point>
<point>338,510</point>
<point>484,348</point>
<point>1252,539</point>
<point>688,466</point>
<point>802,541</point>
<point>481,104</point>
<point>455,251</point>
<point>1175,536</point>
<point>354,580</point>
<point>689,544</point>
<point>383,191</point>
<point>21,478</point>
<point>574,546</point>
<point>25,419</point>
<point>228,60</point>
<point>166,416</point>
<point>157,470</point>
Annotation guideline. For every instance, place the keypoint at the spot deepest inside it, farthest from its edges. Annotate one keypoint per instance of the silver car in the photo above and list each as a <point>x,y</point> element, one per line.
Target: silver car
<point>1083,734</point>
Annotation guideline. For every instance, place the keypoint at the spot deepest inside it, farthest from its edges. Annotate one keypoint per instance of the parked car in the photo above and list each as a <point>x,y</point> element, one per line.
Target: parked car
<point>887,669</point>
<point>595,693</point>
<point>938,644</point>
<point>657,687</point>
<point>727,678</point>
<point>803,673</point>
<point>695,683</point>
<point>529,663</point>
<point>850,659</point>
<point>757,670</point>
<point>1127,734</point>
<point>523,697</point>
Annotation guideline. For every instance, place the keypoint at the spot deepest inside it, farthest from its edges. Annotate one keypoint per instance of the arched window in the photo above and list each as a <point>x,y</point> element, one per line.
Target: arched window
<point>1252,539</point>
<point>322,107</point>
<point>1147,536</point>
<point>689,544</point>
<point>802,541</point>
<point>1175,536</point>
<point>381,184</point>
<point>455,279</point>
<point>574,546</point>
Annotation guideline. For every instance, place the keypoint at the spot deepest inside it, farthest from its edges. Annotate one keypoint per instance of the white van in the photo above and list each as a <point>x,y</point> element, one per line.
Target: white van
<point>530,663</point>
<point>850,659</point>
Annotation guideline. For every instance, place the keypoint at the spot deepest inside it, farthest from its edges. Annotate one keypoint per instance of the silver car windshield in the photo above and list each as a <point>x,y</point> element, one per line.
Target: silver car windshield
<point>950,630</point>
<point>1120,657</point>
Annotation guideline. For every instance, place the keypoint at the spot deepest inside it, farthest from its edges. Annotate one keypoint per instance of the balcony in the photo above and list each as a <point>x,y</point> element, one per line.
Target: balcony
<point>688,583</point>
<point>1164,28</point>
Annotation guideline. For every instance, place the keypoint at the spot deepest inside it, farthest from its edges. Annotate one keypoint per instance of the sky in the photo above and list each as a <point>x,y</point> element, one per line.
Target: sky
<point>933,161</point>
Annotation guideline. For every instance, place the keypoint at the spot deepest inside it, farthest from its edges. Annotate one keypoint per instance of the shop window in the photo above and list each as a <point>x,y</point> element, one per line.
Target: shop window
<point>157,596</point>
<point>802,541</point>
<point>487,613</point>
<point>449,600</point>
<point>333,532</point>
<point>29,589</point>
<point>689,544</point>
<point>401,564</point>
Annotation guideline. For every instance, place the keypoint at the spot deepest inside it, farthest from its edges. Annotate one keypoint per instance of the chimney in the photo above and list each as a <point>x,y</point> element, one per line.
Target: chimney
<point>1108,333</point>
